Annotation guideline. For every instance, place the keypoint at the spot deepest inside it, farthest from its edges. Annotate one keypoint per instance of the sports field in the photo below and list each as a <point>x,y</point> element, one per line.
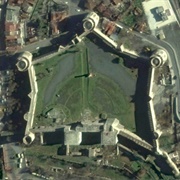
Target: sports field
<point>70,90</point>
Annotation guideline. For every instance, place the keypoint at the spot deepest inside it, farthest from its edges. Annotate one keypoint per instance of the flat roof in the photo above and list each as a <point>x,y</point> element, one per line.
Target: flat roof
<point>150,8</point>
<point>108,137</point>
<point>72,137</point>
<point>12,14</point>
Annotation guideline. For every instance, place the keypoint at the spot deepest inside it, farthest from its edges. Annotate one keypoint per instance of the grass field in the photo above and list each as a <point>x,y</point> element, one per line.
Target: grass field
<point>79,96</point>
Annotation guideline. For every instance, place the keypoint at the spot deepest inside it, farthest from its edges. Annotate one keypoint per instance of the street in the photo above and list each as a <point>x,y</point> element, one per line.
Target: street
<point>173,41</point>
<point>33,47</point>
<point>176,7</point>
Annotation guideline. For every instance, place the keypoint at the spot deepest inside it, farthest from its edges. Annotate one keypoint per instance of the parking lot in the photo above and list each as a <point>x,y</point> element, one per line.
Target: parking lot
<point>155,19</point>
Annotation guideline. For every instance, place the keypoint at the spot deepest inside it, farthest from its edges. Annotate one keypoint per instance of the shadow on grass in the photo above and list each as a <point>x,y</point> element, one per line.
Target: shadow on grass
<point>164,166</point>
<point>142,111</point>
<point>132,145</point>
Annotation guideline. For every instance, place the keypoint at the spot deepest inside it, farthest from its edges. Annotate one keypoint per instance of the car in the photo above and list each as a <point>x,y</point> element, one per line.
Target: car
<point>22,155</point>
<point>20,160</point>
<point>78,10</point>
<point>19,165</point>
<point>18,155</point>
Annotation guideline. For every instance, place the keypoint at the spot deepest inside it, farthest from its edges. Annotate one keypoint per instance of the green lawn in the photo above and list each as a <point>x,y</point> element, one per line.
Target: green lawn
<point>109,174</point>
<point>79,96</point>
<point>41,70</point>
<point>166,142</point>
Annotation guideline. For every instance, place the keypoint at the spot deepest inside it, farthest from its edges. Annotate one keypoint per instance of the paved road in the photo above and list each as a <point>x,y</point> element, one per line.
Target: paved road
<point>172,46</point>
<point>172,39</point>
<point>76,16</point>
<point>176,7</point>
<point>62,39</point>
<point>173,52</point>
<point>32,47</point>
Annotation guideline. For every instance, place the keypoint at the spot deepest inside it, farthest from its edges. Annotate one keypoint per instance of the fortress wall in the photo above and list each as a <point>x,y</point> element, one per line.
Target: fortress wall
<point>171,164</point>
<point>152,115</point>
<point>176,109</point>
<point>151,94</point>
<point>154,123</point>
<point>110,41</point>
<point>34,90</point>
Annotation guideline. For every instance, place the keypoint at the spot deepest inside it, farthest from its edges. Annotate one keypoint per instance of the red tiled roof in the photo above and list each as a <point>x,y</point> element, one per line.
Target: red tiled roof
<point>116,1</point>
<point>10,26</point>
<point>90,4</point>
<point>101,7</point>
<point>58,16</point>
<point>11,37</point>
<point>55,18</point>
<point>15,2</point>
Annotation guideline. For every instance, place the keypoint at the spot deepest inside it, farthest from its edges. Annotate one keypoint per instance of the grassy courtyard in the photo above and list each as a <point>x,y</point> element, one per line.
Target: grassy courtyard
<point>80,95</point>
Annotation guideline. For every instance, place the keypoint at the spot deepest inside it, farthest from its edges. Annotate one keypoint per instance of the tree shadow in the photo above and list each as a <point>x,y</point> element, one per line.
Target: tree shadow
<point>81,4</point>
<point>163,165</point>
<point>8,62</point>
<point>132,145</point>
<point>83,75</point>
<point>116,60</point>
<point>63,39</point>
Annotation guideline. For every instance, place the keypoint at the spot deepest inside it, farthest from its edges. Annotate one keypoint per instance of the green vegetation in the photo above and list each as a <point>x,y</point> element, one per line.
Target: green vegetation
<point>80,96</point>
<point>40,19</point>
<point>166,142</point>
<point>37,9</point>
<point>134,17</point>
<point>43,78</point>
<point>37,150</point>
<point>138,3</point>
<point>129,20</point>
<point>122,166</point>
<point>109,173</point>
<point>46,157</point>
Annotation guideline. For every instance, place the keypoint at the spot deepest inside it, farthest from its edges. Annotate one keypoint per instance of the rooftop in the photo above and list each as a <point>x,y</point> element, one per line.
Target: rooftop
<point>12,14</point>
<point>72,137</point>
<point>109,138</point>
<point>87,132</point>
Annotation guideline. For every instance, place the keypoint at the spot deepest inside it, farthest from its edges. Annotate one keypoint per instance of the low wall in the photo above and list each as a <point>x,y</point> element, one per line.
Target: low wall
<point>154,125</point>
<point>33,96</point>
